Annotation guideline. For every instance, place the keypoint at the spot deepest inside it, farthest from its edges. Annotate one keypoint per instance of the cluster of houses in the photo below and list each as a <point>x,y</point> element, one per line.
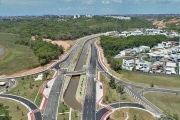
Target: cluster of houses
<point>163,58</point>
<point>144,32</point>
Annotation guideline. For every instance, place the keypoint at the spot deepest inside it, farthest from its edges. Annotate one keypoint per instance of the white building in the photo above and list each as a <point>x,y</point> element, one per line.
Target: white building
<point>144,48</point>
<point>170,68</point>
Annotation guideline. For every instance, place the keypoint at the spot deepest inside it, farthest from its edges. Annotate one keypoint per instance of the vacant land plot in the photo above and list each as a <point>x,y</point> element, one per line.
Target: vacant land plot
<point>16,110</point>
<point>27,87</point>
<point>146,79</point>
<point>19,57</point>
<point>167,102</point>
<point>134,114</point>
<point>111,95</point>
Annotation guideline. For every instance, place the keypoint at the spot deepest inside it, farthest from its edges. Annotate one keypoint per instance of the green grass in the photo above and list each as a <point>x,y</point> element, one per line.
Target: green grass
<point>39,99</point>
<point>140,114</point>
<point>167,102</point>
<point>63,108</point>
<point>63,117</point>
<point>16,114</point>
<point>111,95</point>
<point>27,87</point>
<point>171,82</point>
<point>75,115</point>
<point>19,57</point>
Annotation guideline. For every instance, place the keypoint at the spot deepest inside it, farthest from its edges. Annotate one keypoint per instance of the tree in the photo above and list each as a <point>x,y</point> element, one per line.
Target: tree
<point>120,88</point>
<point>134,118</point>
<point>152,84</point>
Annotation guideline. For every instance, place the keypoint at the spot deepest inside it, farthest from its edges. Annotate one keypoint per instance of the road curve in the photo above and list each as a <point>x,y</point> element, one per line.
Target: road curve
<point>30,104</point>
<point>100,113</point>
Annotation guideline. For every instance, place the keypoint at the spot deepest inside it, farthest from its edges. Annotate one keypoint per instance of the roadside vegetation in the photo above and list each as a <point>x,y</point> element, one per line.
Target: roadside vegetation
<point>45,51</point>
<point>63,108</point>
<point>75,115</point>
<point>13,61</point>
<point>12,110</point>
<point>114,92</point>
<point>134,114</point>
<point>63,116</point>
<point>169,103</point>
<point>27,87</point>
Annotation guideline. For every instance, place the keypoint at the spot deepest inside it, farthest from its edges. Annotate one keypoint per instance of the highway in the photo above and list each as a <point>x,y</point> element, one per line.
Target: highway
<point>89,106</point>
<point>30,104</point>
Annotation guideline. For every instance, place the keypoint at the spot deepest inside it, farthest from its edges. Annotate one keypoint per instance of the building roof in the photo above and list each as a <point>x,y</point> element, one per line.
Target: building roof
<point>2,83</point>
<point>171,64</point>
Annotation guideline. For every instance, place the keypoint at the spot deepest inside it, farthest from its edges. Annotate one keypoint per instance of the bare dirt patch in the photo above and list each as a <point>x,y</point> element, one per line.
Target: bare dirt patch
<point>66,44</point>
<point>173,21</point>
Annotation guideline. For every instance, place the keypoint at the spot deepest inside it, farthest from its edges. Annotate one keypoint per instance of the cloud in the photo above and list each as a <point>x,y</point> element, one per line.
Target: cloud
<point>68,8</point>
<point>117,1</point>
<point>105,1</point>
<point>87,1</point>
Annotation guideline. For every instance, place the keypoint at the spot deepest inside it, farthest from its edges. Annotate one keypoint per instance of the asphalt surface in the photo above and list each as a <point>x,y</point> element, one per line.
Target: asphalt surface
<point>10,84</point>
<point>103,111</point>
<point>31,105</point>
<point>1,52</point>
<point>89,107</point>
<point>51,109</point>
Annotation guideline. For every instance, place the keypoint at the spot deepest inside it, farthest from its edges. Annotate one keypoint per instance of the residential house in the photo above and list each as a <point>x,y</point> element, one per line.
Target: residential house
<point>144,48</point>
<point>143,66</point>
<point>170,68</point>
<point>155,57</point>
<point>128,63</point>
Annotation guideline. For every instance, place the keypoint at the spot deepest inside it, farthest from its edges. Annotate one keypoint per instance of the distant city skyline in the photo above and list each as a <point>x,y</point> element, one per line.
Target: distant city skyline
<point>95,7</point>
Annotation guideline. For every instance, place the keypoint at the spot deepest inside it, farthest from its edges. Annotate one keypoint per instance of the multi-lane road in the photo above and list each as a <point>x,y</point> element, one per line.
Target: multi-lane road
<point>89,107</point>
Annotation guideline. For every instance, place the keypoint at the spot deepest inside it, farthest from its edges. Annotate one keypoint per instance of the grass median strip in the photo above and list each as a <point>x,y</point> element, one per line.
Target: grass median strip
<point>63,117</point>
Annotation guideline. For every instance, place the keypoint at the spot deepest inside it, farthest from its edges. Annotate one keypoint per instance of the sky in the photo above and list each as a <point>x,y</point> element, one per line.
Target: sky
<point>95,7</point>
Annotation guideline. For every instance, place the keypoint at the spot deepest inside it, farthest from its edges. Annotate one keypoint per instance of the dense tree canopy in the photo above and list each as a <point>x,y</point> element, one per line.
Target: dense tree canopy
<point>45,51</point>
<point>55,28</point>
